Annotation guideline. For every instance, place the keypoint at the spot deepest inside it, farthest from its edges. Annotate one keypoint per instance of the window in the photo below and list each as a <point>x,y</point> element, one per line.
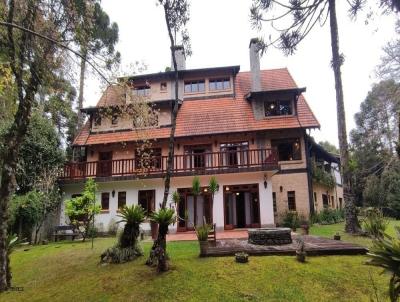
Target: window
<point>291,197</point>
<point>219,84</point>
<point>274,201</point>
<point>340,203</point>
<point>288,149</point>
<point>105,201</point>
<point>163,86</point>
<point>142,90</point>
<point>97,119</point>
<point>332,202</point>
<point>195,86</point>
<point>197,157</point>
<point>76,195</point>
<point>315,199</point>
<point>325,201</point>
<point>114,119</point>
<point>147,200</point>
<point>121,199</point>
<point>278,107</point>
<point>148,158</point>
<point>234,154</point>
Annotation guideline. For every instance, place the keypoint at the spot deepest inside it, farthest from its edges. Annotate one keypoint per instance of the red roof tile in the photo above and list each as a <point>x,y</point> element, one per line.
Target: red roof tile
<point>213,116</point>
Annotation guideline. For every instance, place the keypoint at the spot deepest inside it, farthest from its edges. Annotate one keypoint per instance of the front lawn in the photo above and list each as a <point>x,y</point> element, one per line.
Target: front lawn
<point>70,272</point>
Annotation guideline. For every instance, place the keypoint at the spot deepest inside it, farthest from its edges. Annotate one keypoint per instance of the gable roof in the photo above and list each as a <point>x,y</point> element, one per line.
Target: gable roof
<point>213,115</point>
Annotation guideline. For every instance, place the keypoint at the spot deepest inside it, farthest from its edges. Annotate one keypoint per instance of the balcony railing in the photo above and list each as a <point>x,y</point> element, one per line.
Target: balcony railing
<point>187,164</point>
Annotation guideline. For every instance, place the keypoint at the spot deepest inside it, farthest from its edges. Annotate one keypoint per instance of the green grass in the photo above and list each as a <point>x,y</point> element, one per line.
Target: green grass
<point>71,272</point>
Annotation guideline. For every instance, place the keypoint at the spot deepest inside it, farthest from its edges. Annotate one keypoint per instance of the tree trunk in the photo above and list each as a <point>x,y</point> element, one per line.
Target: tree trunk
<point>159,247</point>
<point>81,86</point>
<point>352,224</point>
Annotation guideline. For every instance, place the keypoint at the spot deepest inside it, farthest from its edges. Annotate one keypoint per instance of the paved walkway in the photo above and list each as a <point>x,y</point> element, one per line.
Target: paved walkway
<point>186,236</point>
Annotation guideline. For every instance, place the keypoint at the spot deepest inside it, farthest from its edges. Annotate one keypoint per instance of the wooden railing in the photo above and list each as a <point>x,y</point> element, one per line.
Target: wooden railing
<point>199,163</point>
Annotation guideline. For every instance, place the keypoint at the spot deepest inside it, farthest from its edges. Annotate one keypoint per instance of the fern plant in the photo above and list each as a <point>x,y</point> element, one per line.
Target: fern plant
<point>202,232</point>
<point>385,253</point>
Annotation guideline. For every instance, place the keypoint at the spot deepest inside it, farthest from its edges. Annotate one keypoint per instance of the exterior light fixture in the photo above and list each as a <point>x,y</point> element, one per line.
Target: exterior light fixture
<point>217,187</point>
<point>237,193</point>
<point>227,189</point>
<point>113,193</point>
<point>265,184</point>
<point>205,190</point>
<point>281,189</point>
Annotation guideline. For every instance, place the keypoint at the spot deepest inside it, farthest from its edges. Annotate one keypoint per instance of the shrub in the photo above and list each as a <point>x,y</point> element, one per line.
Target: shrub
<point>385,253</point>
<point>374,223</point>
<point>202,232</point>
<point>328,216</point>
<point>291,220</point>
<point>128,247</point>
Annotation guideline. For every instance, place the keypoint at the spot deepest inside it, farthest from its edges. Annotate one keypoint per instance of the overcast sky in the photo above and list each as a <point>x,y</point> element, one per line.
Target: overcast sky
<point>220,32</point>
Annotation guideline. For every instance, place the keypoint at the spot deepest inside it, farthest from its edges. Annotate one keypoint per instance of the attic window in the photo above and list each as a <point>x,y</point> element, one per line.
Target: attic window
<point>278,107</point>
<point>195,86</point>
<point>220,84</point>
<point>142,90</point>
<point>114,119</point>
<point>97,119</point>
<point>163,86</point>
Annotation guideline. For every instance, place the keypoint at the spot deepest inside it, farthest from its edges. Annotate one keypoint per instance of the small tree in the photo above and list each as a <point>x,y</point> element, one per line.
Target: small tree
<point>128,247</point>
<point>82,209</point>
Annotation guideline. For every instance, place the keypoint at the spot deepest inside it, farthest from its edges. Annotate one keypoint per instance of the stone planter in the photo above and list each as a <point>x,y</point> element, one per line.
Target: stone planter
<point>242,257</point>
<point>203,247</point>
<point>301,256</point>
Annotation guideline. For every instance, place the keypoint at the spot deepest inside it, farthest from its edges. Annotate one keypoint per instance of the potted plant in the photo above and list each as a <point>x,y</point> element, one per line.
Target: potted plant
<point>202,236</point>
<point>242,257</point>
<point>301,251</point>
<point>336,236</point>
<point>305,226</point>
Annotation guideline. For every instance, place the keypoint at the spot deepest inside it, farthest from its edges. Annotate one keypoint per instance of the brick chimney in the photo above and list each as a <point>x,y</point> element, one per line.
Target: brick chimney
<point>180,58</point>
<point>254,50</point>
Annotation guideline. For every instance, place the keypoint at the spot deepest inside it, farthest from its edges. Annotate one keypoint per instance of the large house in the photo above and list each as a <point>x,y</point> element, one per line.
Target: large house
<point>248,129</point>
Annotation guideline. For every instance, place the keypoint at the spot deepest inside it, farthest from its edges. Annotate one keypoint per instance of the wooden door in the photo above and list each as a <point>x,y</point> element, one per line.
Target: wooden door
<point>105,164</point>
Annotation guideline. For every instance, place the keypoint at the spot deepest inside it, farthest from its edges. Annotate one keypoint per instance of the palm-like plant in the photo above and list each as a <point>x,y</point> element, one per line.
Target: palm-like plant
<point>385,253</point>
<point>132,216</point>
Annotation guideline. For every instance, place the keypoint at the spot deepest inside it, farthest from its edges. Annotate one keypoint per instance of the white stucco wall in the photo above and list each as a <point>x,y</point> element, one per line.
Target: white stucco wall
<point>133,186</point>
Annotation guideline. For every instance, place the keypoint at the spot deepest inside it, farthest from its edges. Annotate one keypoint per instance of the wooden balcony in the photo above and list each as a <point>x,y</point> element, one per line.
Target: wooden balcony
<point>188,164</point>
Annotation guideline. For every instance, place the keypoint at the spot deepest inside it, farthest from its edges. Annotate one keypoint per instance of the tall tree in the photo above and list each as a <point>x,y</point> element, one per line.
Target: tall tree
<point>29,35</point>
<point>96,37</point>
<point>305,15</point>
<point>176,13</point>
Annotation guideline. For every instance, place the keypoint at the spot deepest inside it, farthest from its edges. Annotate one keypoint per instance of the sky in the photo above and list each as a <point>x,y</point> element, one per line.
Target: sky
<point>220,32</point>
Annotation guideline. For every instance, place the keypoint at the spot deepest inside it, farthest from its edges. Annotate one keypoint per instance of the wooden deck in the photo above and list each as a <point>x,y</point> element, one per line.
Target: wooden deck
<point>314,246</point>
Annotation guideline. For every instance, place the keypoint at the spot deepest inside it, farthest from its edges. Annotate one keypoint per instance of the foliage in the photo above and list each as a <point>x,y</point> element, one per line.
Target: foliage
<point>176,197</point>
<point>323,177</point>
<point>329,147</point>
<point>25,212</point>
<point>202,232</point>
<point>291,219</point>
<point>328,216</point>
<point>385,253</point>
<point>82,209</point>
<point>213,185</point>
<point>39,151</point>
<point>374,223</point>
<point>301,249</point>
<point>132,216</point>
<point>163,217</point>
<point>119,254</point>
<point>196,186</point>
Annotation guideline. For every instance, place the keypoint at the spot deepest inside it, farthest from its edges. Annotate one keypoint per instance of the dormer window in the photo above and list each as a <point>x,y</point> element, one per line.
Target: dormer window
<point>195,86</point>
<point>278,108</point>
<point>219,84</point>
<point>97,119</point>
<point>142,90</point>
<point>114,119</point>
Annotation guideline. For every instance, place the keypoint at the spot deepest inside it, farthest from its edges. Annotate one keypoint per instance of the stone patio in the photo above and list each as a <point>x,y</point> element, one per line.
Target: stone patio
<point>314,246</point>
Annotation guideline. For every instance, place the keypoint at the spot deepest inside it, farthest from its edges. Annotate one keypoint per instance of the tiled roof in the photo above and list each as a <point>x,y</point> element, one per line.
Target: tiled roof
<point>213,116</point>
